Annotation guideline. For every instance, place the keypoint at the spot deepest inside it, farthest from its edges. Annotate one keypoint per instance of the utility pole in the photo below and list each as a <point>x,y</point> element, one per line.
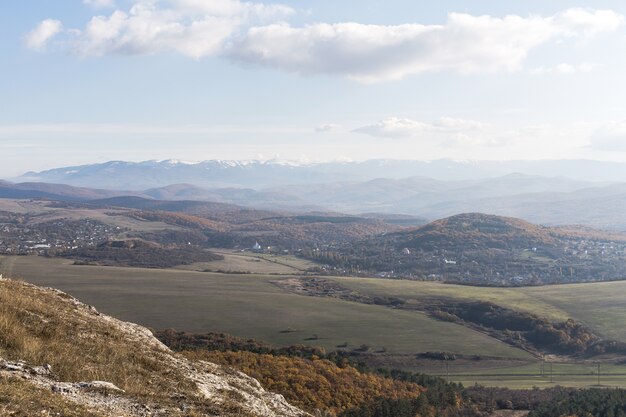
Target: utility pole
<point>551,380</point>
<point>598,373</point>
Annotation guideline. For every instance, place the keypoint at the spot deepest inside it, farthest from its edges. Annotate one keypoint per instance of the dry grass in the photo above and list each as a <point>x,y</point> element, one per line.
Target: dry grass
<point>43,326</point>
<point>40,327</point>
<point>22,399</point>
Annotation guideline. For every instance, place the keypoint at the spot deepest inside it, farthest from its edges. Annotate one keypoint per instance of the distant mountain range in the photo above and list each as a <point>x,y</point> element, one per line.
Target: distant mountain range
<point>267,174</point>
<point>424,190</point>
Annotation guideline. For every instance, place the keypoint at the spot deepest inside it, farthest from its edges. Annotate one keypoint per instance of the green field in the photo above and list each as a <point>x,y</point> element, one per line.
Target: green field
<point>516,298</point>
<point>250,305</point>
<point>528,376</point>
<point>112,216</point>
<point>601,306</point>
<point>259,263</point>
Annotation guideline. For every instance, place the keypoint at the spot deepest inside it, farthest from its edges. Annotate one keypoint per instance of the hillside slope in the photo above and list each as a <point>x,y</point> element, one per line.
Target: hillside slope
<point>60,356</point>
<point>479,231</point>
<point>59,192</point>
<point>487,250</point>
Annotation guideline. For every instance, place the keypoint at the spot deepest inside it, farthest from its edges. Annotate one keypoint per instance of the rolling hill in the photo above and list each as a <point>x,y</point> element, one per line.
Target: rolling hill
<point>181,230</point>
<point>59,192</point>
<point>539,199</point>
<point>546,192</point>
<point>475,231</point>
<point>487,250</point>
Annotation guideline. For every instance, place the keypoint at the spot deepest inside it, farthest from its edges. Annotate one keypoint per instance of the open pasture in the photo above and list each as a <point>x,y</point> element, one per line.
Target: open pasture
<point>528,376</point>
<point>251,306</point>
<point>250,262</point>
<point>43,211</point>
<point>601,306</point>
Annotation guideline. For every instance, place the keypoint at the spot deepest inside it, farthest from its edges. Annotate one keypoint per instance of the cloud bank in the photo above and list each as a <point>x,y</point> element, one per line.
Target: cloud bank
<point>257,34</point>
<point>369,53</point>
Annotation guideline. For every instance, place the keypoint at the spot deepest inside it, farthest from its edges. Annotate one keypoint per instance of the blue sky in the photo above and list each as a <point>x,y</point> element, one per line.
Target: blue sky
<point>95,80</point>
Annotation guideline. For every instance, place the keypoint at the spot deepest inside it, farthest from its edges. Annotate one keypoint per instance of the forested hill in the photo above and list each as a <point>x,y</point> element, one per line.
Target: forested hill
<point>488,250</point>
<point>477,231</point>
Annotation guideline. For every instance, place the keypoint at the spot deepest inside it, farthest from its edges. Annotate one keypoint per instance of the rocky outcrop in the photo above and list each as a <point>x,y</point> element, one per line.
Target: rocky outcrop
<point>227,391</point>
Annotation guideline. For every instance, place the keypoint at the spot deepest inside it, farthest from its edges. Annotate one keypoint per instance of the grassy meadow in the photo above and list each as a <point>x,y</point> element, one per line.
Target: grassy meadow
<point>601,306</point>
<point>250,305</point>
<point>577,375</point>
<point>249,262</point>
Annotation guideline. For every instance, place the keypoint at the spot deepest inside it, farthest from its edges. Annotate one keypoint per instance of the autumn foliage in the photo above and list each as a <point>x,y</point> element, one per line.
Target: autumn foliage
<point>313,384</point>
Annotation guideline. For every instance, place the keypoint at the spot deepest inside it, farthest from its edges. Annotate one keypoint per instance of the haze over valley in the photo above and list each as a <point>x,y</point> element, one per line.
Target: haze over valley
<point>588,193</point>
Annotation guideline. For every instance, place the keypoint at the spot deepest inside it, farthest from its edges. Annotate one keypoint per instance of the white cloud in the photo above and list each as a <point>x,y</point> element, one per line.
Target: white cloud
<point>39,37</point>
<point>145,29</point>
<point>194,28</point>
<point>255,33</point>
<point>396,127</point>
<point>585,23</point>
<point>450,124</point>
<point>99,3</point>
<point>371,53</point>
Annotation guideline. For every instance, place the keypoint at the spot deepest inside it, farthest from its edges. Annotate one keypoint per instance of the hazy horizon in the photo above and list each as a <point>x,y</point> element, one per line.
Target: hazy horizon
<point>267,173</point>
<point>9,175</point>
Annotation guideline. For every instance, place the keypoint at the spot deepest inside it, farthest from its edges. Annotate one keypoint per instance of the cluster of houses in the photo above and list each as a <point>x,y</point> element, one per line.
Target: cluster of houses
<point>584,248</point>
<point>257,248</point>
<point>58,235</point>
<point>576,260</point>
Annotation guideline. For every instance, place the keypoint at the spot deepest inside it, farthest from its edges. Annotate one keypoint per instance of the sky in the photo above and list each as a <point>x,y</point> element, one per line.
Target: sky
<point>87,81</point>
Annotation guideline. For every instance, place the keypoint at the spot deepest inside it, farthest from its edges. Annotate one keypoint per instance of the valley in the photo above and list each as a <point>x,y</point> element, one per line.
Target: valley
<point>469,298</point>
<point>549,192</point>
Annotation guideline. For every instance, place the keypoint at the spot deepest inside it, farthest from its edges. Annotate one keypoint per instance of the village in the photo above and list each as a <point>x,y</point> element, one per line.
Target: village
<point>48,238</point>
<point>572,260</point>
